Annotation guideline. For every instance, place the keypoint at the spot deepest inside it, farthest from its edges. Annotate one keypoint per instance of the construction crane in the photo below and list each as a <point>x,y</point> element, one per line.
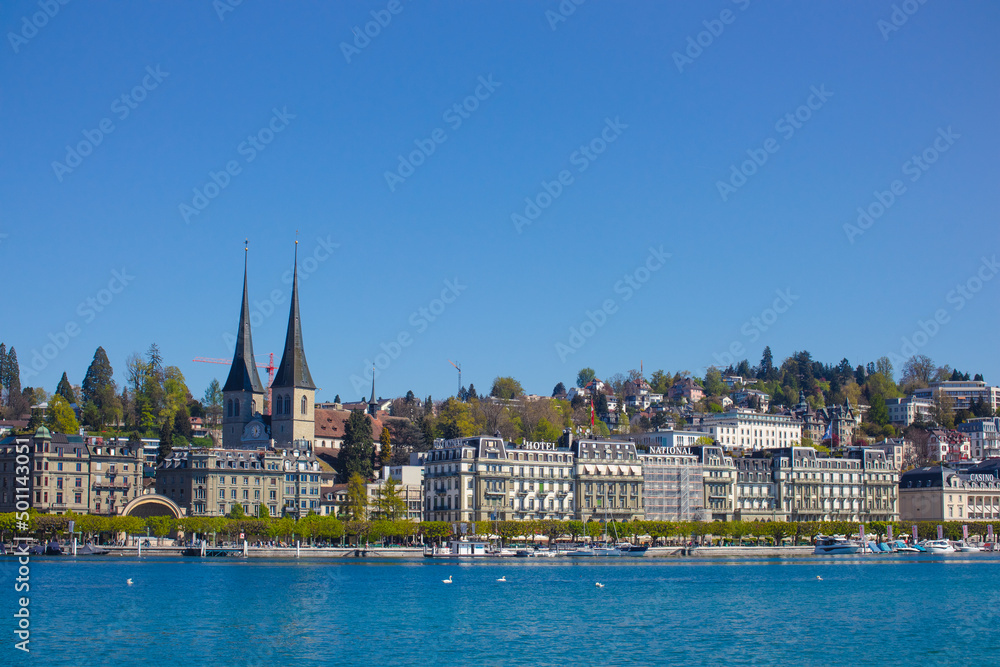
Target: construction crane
<point>458,367</point>
<point>269,367</point>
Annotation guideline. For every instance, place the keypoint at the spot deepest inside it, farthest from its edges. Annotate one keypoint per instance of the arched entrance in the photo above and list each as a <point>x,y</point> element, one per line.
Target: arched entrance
<point>152,504</point>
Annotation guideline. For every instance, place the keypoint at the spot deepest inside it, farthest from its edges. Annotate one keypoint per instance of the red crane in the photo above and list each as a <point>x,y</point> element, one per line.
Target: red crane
<point>269,367</point>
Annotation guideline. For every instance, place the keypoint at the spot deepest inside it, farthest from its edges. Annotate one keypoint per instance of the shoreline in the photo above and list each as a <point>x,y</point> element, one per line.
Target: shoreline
<point>418,552</point>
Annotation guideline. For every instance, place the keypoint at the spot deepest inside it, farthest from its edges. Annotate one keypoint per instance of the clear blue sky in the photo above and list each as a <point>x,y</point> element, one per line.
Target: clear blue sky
<point>675,136</point>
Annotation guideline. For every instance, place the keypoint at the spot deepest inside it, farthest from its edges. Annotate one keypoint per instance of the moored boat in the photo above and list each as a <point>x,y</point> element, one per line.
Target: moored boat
<point>938,546</point>
<point>832,546</point>
<point>965,547</point>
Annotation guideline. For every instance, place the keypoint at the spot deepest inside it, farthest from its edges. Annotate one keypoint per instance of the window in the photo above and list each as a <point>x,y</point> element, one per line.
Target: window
<point>236,408</point>
<point>303,408</point>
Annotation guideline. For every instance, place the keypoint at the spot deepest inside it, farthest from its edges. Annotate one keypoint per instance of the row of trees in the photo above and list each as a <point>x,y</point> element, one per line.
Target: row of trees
<point>314,529</point>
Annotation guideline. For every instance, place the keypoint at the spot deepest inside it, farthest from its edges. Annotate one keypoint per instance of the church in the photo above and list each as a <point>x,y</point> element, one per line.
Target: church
<point>289,423</point>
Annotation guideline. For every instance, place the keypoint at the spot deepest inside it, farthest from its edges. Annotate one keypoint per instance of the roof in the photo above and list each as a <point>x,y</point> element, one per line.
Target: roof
<point>243,374</point>
<point>293,371</point>
<point>330,424</point>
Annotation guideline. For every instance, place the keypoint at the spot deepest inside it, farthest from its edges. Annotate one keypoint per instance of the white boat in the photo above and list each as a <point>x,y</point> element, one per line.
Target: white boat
<point>964,547</point>
<point>938,546</point>
<point>599,550</point>
<point>835,546</point>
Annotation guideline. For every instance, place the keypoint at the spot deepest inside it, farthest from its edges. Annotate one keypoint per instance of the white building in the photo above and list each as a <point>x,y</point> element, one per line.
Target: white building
<point>905,411</point>
<point>984,436</point>
<point>962,392</point>
<point>747,429</point>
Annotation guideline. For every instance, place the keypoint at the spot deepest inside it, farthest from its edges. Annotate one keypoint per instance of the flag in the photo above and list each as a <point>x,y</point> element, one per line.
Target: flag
<point>989,533</point>
<point>591,413</point>
<point>914,532</point>
<point>861,533</point>
<point>965,531</point>
<point>940,532</point>
<point>889,532</point>
<point>829,431</point>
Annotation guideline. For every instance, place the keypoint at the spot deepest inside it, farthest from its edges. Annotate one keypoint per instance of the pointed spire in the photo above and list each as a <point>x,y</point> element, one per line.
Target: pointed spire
<point>293,371</point>
<point>243,374</point>
<point>372,400</point>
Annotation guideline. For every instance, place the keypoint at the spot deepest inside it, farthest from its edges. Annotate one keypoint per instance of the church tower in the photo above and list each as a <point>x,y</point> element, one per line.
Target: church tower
<point>243,393</point>
<point>293,390</point>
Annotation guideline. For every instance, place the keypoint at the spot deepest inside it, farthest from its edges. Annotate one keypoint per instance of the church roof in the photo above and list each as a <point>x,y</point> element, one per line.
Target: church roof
<point>293,371</point>
<point>243,372</point>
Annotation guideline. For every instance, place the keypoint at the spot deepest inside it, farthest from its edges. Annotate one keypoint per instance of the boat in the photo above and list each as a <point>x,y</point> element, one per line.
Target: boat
<point>53,549</point>
<point>965,547</point>
<point>91,550</point>
<point>832,546</point>
<point>901,547</point>
<point>628,549</point>
<point>938,546</point>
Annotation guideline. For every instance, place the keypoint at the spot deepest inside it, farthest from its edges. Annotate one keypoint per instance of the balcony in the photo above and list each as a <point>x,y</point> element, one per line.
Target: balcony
<point>111,486</point>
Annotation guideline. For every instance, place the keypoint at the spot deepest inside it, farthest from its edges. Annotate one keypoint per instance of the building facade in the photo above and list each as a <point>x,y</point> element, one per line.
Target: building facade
<point>748,429</point>
<point>939,493</point>
<point>71,473</point>
<point>984,436</point>
<point>673,483</point>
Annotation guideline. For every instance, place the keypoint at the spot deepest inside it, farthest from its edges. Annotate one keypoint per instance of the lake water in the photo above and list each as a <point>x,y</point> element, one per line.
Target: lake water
<point>183,611</point>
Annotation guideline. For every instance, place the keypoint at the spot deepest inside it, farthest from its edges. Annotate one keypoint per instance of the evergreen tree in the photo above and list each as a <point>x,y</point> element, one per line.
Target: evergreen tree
<point>979,378</point>
<point>336,399</point>
<point>166,439</point>
<point>559,389</point>
<point>765,371</point>
<point>357,452</point>
<point>3,370</point>
<point>65,389</point>
<point>99,375</point>
<point>410,397</point>
<point>12,379</point>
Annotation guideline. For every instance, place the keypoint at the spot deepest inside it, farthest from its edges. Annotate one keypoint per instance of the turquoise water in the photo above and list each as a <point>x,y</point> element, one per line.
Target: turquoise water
<point>928,610</point>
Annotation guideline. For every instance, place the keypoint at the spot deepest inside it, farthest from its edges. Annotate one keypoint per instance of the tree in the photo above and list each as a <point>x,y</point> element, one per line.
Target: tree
<point>3,370</point>
<point>357,498</point>
<point>454,420</point>
<point>884,367</point>
<point>12,381</point>
<point>60,416</point>
<point>385,449</point>
<point>65,389</point>
<point>357,452</point>
<point>660,382</point>
<point>713,382</point>
<point>99,375</point>
<point>584,377</point>
<point>943,411</point>
<point>878,413</point>
<point>388,504</point>
<point>213,402</point>
<point>559,390</point>
<point>918,371</point>
<point>237,512</point>
<point>766,371</point>
<point>472,392</point>
<point>336,399</point>
<point>166,439</point>
<point>506,388</point>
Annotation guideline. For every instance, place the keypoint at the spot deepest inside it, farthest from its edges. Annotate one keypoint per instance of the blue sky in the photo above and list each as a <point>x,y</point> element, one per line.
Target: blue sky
<point>330,122</point>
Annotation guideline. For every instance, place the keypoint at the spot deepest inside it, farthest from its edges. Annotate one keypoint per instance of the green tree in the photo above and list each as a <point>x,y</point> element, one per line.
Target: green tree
<point>12,382</point>
<point>99,376</point>
<point>166,439</point>
<point>65,389</point>
<point>60,416</point>
<point>357,451</point>
<point>385,447</point>
<point>713,382</point>
<point>213,402</point>
<point>506,388</point>
<point>878,413</point>
<point>237,512</point>
<point>388,504</point>
<point>454,420</point>
<point>263,513</point>
<point>584,376</point>
<point>357,498</point>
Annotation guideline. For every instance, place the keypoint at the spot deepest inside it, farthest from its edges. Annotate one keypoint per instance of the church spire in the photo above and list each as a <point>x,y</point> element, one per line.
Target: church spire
<point>372,405</point>
<point>293,371</point>
<point>243,372</point>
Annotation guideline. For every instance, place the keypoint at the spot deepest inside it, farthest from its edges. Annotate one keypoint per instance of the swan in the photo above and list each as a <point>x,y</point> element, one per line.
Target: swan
<point>128,581</point>
<point>503,579</point>
<point>599,584</point>
<point>446,581</point>
<point>819,578</point>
